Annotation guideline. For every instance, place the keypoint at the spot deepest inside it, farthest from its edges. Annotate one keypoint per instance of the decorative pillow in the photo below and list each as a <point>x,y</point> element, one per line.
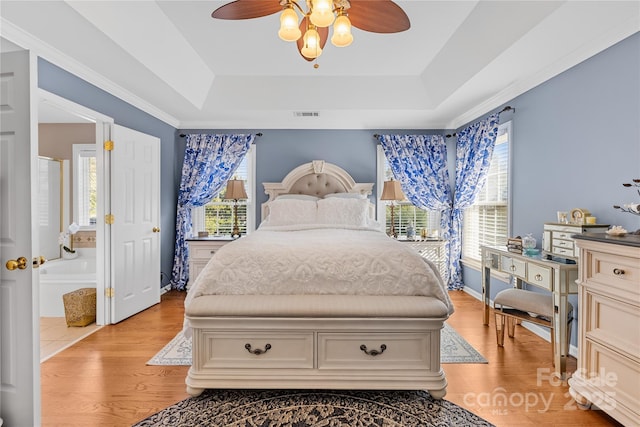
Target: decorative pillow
<point>345,195</point>
<point>341,211</point>
<point>292,212</point>
<point>297,197</point>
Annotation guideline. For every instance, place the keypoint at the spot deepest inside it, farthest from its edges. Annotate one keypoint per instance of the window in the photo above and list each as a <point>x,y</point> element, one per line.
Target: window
<point>216,217</point>
<point>85,187</point>
<point>404,213</point>
<point>486,222</point>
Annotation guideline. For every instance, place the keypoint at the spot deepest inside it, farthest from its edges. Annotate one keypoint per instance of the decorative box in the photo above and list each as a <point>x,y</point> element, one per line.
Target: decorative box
<point>514,244</point>
<point>80,307</point>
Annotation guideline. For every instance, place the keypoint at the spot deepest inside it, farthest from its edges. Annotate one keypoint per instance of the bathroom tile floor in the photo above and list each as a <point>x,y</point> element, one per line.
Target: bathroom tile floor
<point>55,335</point>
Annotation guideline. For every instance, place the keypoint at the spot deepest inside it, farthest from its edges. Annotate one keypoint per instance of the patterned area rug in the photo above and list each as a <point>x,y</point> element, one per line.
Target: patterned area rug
<point>307,408</point>
<point>453,349</point>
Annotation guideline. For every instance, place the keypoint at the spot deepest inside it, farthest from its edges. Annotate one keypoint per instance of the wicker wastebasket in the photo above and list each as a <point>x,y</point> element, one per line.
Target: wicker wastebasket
<point>80,307</point>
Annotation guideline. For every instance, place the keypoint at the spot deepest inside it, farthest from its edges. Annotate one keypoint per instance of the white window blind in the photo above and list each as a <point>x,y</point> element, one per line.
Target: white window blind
<point>486,222</point>
<point>216,217</point>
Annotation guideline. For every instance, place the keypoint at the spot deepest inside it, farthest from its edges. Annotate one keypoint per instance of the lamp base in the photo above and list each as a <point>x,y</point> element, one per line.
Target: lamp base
<point>235,233</point>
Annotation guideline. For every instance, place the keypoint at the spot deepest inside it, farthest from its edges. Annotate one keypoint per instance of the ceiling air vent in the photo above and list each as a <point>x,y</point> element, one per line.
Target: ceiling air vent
<point>306,114</point>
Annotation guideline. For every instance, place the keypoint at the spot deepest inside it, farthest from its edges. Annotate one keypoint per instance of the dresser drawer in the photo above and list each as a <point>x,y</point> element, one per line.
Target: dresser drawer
<point>540,276</point>
<point>204,251</point>
<point>558,250</point>
<point>616,270</point>
<point>229,350</point>
<point>395,351</point>
<point>613,323</point>
<point>615,377</point>
<point>513,266</point>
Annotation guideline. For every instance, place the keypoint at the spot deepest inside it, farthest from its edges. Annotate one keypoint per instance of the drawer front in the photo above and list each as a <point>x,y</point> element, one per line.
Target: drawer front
<point>204,251</point>
<point>563,251</point>
<point>563,244</point>
<point>513,266</point>
<point>613,323</point>
<point>229,350</point>
<point>616,270</point>
<point>564,235</point>
<point>540,276</point>
<point>396,351</point>
<point>616,377</point>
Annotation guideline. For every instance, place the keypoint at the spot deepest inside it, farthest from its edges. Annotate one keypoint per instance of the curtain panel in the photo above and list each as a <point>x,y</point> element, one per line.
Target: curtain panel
<point>474,150</point>
<point>209,161</point>
<point>419,162</point>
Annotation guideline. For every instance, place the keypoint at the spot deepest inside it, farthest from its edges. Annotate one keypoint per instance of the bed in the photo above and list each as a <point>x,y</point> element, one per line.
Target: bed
<point>317,298</point>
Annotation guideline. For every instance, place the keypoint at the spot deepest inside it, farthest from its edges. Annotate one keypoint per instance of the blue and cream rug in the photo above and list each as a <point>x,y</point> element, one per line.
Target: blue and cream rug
<point>453,349</point>
<point>313,408</point>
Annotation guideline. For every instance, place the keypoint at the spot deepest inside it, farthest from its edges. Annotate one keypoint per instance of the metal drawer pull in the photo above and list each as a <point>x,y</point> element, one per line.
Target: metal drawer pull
<point>618,271</point>
<point>213,252</point>
<point>363,347</point>
<point>512,267</point>
<point>538,277</point>
<point>257,351</point>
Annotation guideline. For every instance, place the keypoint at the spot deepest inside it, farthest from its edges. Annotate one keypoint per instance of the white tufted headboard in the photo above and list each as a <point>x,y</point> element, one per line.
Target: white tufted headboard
<point>316,178</point>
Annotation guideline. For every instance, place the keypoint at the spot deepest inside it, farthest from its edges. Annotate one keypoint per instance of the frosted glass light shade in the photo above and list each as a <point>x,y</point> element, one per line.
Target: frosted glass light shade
<point>289,30</point>
<point>311,48</point>
<point>342,36</point>
<point>322,13</point>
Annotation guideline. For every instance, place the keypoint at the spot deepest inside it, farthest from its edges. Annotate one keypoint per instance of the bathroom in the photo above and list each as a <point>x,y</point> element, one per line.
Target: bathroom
<point>67,203</point>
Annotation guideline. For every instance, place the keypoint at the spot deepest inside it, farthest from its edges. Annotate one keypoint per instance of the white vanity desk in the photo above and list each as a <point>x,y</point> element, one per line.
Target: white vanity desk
<point>556,277</point>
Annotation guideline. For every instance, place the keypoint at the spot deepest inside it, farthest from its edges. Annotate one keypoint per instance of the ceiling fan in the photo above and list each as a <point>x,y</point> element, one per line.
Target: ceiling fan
<point>312,32</point>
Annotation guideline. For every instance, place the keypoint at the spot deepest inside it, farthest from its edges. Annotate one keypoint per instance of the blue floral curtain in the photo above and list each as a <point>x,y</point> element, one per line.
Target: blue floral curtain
<point>209,162</point>
<point>473,158</point>
<point>419,162</point>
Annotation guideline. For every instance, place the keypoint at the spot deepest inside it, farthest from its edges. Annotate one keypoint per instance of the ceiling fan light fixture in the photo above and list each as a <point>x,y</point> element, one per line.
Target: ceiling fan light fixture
<point>322,13</point>
<point>289,30</point>
<point>311,47</point>
<point>342,36</point>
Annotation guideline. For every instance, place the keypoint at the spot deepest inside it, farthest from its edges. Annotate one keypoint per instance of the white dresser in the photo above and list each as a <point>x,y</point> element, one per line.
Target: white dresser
<point>608,373</point>
<point>434,251</point>
<point>557,240</point>
<point>200,251</point>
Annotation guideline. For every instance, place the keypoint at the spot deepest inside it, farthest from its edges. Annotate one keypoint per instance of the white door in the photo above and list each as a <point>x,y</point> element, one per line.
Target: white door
<point>135,232</point>
<point>19,304</point>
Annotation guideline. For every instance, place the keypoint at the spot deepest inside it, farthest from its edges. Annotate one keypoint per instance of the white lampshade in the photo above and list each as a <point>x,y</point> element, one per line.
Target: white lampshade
<point>342,36</point>
<point>311,48</point>
<point>322,13</point>
<point>289,30</point>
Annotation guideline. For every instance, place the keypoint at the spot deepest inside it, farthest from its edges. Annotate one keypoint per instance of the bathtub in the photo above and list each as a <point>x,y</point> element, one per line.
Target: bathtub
<point>59,277</point>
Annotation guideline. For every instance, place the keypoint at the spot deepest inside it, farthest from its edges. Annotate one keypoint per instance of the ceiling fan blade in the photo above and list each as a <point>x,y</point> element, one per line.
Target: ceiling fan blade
<point>378,16</point>
<point>246,9</point>
<point>323,32</point>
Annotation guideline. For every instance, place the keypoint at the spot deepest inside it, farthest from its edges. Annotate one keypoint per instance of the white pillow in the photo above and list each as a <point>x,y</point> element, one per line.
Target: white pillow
<point>341,211</point>
<point>292,212</point>
<point>345,195</point>
<point>297,197</point>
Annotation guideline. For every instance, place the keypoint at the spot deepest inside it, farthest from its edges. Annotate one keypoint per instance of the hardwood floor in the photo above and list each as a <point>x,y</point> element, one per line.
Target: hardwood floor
<point>103,380</point>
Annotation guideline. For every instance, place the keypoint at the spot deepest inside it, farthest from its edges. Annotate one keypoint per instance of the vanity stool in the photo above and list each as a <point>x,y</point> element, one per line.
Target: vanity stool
<point>519,304</point>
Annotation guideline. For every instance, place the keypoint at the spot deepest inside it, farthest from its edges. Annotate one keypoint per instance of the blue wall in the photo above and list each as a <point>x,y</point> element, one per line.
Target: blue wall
<point>56,80</point>
<point>576,139</point>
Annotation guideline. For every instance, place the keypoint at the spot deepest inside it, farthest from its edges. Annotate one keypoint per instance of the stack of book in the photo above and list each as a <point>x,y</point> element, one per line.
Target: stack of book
<point>515,245</point>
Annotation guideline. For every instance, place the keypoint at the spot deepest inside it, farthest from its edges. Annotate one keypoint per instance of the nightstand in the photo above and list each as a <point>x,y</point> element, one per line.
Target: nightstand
<point>434,251</point>
<point>201,249</point>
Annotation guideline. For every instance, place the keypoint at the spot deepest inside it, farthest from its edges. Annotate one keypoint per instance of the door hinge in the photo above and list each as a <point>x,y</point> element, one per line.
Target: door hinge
<point>109,219</point>
<point>109,292</point>
<point>108,145</point>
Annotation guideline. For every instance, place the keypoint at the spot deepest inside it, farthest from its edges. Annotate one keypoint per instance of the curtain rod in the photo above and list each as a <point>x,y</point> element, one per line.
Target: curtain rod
<point>449,135</point>
<point>182,135</point>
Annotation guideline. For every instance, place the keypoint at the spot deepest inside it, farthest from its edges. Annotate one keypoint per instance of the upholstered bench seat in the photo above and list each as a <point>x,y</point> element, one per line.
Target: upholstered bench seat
<point>519,304</point>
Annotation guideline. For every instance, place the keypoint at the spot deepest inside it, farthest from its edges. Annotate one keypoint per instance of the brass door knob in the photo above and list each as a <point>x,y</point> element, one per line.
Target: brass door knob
<point>20,263</point>
<point>38,261</point>
<point>156,229</point>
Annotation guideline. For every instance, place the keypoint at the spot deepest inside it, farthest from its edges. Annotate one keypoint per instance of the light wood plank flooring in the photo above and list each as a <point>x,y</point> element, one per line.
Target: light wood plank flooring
<point>103,380</point>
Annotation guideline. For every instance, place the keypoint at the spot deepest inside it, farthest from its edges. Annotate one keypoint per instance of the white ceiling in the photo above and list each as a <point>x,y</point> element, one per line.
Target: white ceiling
<point>459,60</point>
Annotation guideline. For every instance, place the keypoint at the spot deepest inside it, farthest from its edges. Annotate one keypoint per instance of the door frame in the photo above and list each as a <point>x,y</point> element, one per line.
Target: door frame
<point>104,126</point>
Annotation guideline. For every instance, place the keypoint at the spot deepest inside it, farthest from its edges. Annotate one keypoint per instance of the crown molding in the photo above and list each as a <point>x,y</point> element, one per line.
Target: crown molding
<point>29,42</point>
<point>608,39</point>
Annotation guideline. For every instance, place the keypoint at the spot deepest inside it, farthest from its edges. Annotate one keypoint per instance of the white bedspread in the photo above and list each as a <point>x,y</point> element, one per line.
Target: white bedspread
<point>310,260</point>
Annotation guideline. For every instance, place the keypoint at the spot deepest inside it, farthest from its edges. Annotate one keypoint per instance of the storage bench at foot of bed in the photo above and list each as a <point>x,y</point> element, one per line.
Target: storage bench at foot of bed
<point>316,342</point>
